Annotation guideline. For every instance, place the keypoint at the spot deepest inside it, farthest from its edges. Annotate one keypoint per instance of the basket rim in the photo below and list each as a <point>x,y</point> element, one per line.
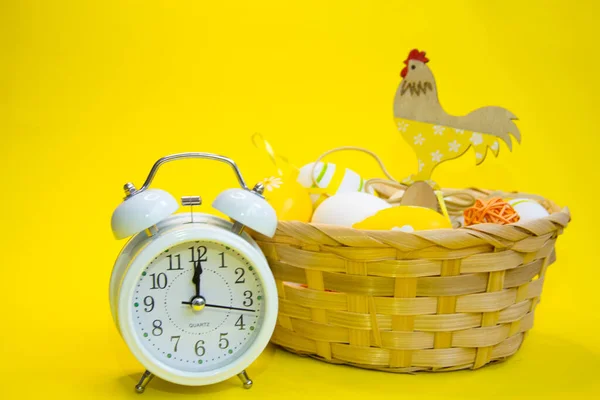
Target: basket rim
<point>558,219</point>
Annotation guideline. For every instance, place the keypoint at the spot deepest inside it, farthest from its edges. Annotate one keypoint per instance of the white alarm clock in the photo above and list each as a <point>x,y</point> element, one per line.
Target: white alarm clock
<point>191,294</point>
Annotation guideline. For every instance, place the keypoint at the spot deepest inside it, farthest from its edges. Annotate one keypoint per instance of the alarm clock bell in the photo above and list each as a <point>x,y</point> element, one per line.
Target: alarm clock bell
<point>143,208</point>
<point>141,211</point>
<point>248,208</point>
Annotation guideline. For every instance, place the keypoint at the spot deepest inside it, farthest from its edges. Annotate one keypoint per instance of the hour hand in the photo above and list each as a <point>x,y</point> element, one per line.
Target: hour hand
<point>196,277</point>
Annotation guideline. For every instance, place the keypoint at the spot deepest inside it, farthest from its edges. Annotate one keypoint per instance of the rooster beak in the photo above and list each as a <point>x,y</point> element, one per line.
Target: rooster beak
<point>404,72</point>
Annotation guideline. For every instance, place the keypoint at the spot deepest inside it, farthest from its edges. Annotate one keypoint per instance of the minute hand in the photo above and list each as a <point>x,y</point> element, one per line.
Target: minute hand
<point>229,308</point>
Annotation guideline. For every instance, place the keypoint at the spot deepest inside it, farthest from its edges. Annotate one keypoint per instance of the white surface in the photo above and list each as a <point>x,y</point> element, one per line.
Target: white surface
<point>141,211</point>
<point>404,228</point>
<point>249,209</point>
<point>346,209</point>
<point>170,330</point>
<point>528,209</point>
<point>146,251</point>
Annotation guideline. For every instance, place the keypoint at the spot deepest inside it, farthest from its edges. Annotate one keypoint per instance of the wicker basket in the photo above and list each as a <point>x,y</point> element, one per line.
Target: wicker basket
<point>403,302</point>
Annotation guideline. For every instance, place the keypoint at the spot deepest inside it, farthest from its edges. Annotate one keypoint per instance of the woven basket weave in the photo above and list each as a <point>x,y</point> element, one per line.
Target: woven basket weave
<point>403,302</point>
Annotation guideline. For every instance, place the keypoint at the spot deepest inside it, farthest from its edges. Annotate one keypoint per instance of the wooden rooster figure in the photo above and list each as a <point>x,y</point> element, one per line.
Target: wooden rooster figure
<point>437,136</point>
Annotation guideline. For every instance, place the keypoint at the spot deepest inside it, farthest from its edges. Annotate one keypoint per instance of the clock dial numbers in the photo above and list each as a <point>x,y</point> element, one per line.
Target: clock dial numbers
<point>240,271</point>
<point>240,323</point>
<point>149,303</point>
<point>198,253</point>
<point>222,254</point>
<point>176,338</point>
<point>223,342</point>
<point>199,348</point>
<point>157,327</point>
<point>159,281</point>
<point>174,266</point>
<point>192,332</point>
<point>248,298</point>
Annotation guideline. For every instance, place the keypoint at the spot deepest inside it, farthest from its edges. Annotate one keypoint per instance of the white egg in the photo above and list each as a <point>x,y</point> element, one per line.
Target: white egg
<point>323,175</point>
<point>346,209</point>
<point>528,209</point>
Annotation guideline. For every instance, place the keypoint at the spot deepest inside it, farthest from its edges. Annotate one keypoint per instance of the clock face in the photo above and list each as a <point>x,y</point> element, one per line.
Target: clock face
<point>198,306</point>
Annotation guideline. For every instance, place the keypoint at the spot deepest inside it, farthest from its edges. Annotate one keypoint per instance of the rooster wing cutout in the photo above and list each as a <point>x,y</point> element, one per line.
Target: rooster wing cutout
<point>436,136</point>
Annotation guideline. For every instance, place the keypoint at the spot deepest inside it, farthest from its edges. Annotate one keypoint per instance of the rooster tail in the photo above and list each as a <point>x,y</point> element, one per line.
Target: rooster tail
<point>496,121</point>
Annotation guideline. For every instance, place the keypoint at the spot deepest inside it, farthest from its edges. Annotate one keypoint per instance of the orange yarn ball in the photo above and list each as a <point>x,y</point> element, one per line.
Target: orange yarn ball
<point>494,210</point>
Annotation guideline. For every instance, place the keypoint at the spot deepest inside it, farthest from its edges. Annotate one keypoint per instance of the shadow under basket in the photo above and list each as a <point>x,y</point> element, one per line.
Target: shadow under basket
<point>436,300</point>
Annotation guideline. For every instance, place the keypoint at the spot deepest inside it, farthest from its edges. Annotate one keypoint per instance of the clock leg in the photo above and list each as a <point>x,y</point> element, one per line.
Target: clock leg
<point>245,379</point>
<point>144,381</point>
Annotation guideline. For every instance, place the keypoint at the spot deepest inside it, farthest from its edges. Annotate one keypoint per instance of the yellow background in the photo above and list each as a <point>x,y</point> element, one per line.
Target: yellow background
<point>92,93</point>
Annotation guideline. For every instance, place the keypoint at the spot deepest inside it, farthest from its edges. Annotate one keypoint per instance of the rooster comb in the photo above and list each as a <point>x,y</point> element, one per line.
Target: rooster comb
<point>417,55</point>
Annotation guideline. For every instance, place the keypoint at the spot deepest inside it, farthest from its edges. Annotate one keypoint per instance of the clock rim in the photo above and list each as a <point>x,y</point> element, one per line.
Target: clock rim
<point>173,237</point>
